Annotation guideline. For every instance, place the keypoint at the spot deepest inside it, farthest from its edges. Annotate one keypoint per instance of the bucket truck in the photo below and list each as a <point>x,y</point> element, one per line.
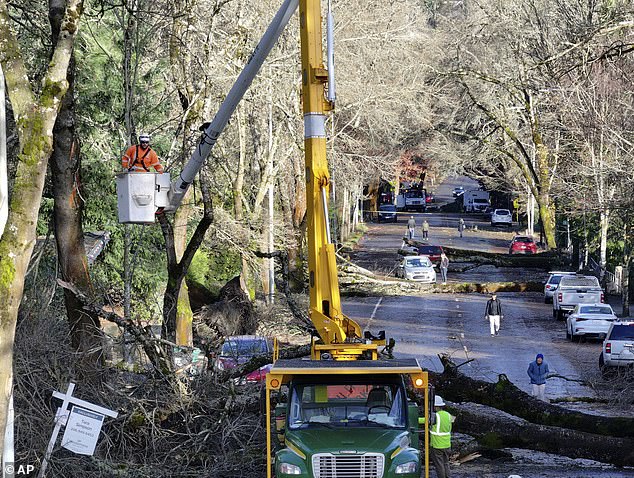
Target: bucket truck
<point>344,412</point>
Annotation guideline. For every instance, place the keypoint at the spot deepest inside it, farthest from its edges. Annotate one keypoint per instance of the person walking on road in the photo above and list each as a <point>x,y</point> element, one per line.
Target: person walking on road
<point>444,266</point>
<point>461,226</point>
<point>425,228</point>
<point>493,314</point>
<point>538,372</point>
<point>411,225</point>
<point>440,433</point>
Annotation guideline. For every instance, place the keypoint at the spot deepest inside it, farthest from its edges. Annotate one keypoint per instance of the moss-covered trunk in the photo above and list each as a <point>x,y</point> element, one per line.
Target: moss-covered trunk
<point>545,206</point>
<point>184,315</point>
<point>35,118</point>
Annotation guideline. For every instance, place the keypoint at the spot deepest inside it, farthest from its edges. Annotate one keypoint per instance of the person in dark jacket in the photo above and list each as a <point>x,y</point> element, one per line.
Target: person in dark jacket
<point>538,372</point>
<point>493,314</point>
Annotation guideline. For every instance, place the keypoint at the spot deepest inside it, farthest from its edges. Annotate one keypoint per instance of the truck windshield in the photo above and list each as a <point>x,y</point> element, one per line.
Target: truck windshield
<point>416,194</point>
<point>349,405</point>
<point>622,332</point>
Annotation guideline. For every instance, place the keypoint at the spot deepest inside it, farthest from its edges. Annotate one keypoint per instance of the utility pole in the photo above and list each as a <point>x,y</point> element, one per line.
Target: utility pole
<point>271,260</point>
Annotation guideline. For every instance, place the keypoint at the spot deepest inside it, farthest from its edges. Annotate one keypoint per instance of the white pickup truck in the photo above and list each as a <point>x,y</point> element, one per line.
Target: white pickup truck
<point>573,290</point>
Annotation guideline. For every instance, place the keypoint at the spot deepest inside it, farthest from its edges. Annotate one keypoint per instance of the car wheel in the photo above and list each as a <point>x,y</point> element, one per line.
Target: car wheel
<point>395,219</point>
<point>560,315</point>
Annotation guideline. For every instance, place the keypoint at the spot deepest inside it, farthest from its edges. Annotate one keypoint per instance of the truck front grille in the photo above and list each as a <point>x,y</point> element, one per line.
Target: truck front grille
<point>369,465</point>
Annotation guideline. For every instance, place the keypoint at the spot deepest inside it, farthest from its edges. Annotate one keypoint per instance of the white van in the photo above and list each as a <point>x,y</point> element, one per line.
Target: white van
<point>475,201</point>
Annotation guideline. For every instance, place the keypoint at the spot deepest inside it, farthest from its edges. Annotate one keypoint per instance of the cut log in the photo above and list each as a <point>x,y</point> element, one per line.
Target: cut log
<point>505,396</point>
<point>498,430</point>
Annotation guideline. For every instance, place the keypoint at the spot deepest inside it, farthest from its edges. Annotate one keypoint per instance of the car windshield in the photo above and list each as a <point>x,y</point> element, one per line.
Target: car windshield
<point>483,201</point>
<point>347,405</point>
<point>244,348</point>
<point>502,212</point>
<point>418,262</point>
<point>554,280</point>
<point>429,250</point>
<point>595,309</point>
<point>523,239</point>
<point>622,332</point>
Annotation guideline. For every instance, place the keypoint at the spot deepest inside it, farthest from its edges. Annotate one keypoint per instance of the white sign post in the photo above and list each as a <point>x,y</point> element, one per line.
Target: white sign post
<point>83,424</point>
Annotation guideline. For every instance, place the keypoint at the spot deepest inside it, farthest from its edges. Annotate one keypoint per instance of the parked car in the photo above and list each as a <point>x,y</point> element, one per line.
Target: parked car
<point>618,346</point>
<point>433,252</point>
<point>387,212</point>
<point>589,320</point>
<point>237,350</point>
<point>459,191</point>
<point>552,284</point>
<point>501,217</point>
<point>523,245</point>
<point>416,268</point>
<point>573,290</point>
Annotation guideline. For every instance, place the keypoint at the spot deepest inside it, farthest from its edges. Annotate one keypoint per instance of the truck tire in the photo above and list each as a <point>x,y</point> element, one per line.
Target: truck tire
<point>605,370</point>
<point>560,315</point>
<point>554,314</point>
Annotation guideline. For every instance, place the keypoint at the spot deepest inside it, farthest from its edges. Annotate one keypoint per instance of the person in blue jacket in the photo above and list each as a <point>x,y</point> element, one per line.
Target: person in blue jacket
<point>538,372</point>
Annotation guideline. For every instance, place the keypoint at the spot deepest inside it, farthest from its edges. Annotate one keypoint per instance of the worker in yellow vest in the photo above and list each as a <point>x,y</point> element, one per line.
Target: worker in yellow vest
<point>440,433</point>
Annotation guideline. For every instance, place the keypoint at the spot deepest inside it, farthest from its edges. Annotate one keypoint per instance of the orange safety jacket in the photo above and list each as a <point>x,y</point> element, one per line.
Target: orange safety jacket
<point>138,159</point>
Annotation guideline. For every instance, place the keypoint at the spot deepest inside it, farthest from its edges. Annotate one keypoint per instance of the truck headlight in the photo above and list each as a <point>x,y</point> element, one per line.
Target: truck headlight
<point>409,467</point>
<point>289,469</point>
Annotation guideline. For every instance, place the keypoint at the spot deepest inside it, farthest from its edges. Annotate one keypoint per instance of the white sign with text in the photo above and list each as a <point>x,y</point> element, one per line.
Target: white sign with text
<point>82,431</point>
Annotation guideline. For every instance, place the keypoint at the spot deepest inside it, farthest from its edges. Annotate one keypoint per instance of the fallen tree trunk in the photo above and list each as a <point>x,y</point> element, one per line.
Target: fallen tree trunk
<point>505,396</point>
<point>493,429</point>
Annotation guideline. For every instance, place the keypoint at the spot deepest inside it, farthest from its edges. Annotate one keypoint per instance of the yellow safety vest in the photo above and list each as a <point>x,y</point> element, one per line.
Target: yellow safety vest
<point>441,430</point>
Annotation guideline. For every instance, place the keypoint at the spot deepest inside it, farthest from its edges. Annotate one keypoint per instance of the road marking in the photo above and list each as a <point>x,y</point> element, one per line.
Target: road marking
<point>376,307</point>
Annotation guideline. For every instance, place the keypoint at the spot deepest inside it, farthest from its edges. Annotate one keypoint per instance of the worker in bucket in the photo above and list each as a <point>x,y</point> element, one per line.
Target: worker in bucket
<point>141,157</point>
<point>440,433</point>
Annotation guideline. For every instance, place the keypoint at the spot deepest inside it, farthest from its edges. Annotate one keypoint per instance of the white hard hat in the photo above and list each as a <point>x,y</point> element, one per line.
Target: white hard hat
<point>143,137</point>
<point>438,401</point>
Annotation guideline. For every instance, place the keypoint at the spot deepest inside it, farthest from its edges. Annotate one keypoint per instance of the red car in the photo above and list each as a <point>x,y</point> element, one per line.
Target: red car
<point>523,245</point>
<point>238,350</point>
<point>433,252</point>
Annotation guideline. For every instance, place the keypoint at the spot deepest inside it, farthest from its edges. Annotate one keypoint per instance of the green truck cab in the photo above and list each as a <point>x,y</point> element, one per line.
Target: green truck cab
<point>347,419</point>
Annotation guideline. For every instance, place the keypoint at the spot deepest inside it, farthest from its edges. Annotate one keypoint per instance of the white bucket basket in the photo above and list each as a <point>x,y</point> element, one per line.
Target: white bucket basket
<point>139,195</point>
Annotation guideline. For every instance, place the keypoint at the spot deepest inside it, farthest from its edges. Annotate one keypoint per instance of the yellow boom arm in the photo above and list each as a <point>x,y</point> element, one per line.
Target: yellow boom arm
<point>341,336</point>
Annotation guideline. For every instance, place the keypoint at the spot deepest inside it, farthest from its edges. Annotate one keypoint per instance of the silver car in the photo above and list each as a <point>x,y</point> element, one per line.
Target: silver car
<point>502,217</point>
<point>618,346</point>
<point>417,268</point>
<point>552,284</point>
<point>589,320</point>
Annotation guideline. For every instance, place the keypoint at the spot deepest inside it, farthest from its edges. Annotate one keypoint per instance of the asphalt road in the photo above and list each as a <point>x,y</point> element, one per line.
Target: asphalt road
<point>454,324</point>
